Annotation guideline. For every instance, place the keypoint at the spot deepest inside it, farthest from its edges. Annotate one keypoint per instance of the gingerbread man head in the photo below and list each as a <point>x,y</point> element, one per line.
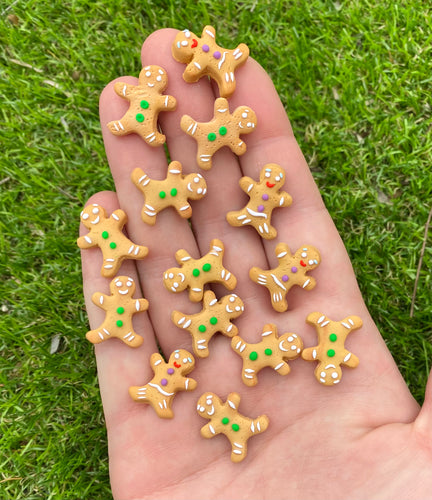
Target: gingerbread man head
<point>92,215</point>
<point>208,403</point>
<point>245,118</point>
<point>184,44</point>
<point>273,176</point>
<point>175,280</point>
<point>154,77</point>
<point>308,258</point>
<point>183,361</point>
<point>122,285</point>
<point>196,186</point>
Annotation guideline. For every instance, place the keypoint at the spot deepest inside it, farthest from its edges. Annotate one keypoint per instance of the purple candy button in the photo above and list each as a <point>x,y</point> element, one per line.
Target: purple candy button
<point>164,381</point>
<point>265,196</point>
<point>170,371</point>
<point>216,54</point>
<point>205,48</point>
<point>260,208</point>
<point>285,277</point>
<point>293,269</point>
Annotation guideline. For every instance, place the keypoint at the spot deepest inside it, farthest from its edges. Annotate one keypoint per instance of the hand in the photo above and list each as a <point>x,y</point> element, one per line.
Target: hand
<point>365,438</point>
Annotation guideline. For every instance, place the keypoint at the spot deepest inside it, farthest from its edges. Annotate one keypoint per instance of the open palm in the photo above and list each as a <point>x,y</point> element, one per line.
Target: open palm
<point>364,438</point>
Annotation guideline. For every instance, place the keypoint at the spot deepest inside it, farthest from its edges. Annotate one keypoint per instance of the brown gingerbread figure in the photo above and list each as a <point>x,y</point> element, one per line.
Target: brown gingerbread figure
<point>169,378</point>
<point>292,270</point>
<point>106,233</point>
<point>223,130</point>
<point>226,419</point>
<point>330,352</point>
<point>173,191</point>
<point>195,273</point>
<point>146,101</point>
<point>120,306</point>
<point>215,316</point>
<point>204,57</point>
<point>264,195</point>
<point>273,351</point>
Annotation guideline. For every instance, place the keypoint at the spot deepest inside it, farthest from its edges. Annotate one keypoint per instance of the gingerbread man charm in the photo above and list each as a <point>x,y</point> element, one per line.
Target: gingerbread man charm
<point>169,378</point>
<point>106,233</point>
<point>223,130</point>
<point>265,195</point>
<point>204,57</point>
<point>146,101</point>
<point>215,316</point>
<point>291,271</point>
<point>330,351</point>
<point>272,351</point>
<point>120,306</point>
<point>173,191</point>
<point>195,273</point>
<point>226,419</point>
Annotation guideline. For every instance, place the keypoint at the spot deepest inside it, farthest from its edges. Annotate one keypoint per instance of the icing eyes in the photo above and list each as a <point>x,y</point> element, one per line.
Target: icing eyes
<point>187,33</point>
<point>177,355</point>
<point>84,216</point>
<point>95,211</point>
<point>119,283</point>
<point>244,115</point>
<point>129,283</point>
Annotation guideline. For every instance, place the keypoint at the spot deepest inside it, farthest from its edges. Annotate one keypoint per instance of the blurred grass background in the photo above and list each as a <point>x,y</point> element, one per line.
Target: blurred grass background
<point>355,78</point>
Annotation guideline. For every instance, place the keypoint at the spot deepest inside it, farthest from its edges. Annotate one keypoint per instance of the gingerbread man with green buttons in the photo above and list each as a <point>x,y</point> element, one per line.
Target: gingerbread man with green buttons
<point>106,233</point>
<point>120,306</point>
<point>173,191</point>
<point>195,273</point>
<point>146,101</point>
<point>272,351</point>
<point>330,353</point>
<point>223,130</point>
<point>215,316</point>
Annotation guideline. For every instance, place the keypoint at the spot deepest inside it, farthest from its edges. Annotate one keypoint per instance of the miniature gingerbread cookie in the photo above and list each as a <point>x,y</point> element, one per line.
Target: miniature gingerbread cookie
<point>195,273</point>
<point>146,101</point>
<point>272,351</point>
<point>265,195</point>
<point>204,57</point>
<point>215,316</point>
<point>106,233</point>
<point>226,419</point>
<point>291,271</point>
<point>169,378</point>
<point>330,351</point>
<point>173,191</point>
<point>120,306</point>
<point>223,130</point>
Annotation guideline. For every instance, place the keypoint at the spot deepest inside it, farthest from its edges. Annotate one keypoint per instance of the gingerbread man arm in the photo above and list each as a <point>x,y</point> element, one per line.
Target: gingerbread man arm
<point>140,179</point>
<point>233,400</point>
<point>309,283</point>
<point>189,384</point>
<point>208,34</point>
<point>124,90</point>
<point>182,256</point>
<point>166,102</point>
<point>247,184</point>
<point>86,242</point>
<point>120,217</point>
<point>141,305</point>
<point>282,250</point>
<point>285,199</point>
<point>101,300</point>
<point>155,360</point>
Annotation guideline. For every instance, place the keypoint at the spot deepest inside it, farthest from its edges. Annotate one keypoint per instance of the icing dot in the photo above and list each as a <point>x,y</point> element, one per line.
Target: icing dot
<point>113,245</point>
<point>225,420</point>
<point>211,137</point>
<point>333,337</point>
<point>105,235</point>
<point>235,427</point>
<point>268,352</point>
<point>253,356</point>
<point>206,267</point>
<point>205,48</point>
<point>202,328</point>
<point>139,117</point>
<point>170,371</point>
<point>144,104</point>
<point>294,269</point>
<point>265,196</point>
<point>173,192</point>
<point>120,310</point>
<point>196,272</point>
<point>285,277</point>
<point>331,353</point>
<point>119,323</point>
<point>223,130</point>
<point>164,381</point>
<point>213,320</point>
<point>216,54</point>
<point>162,194</point>
<point>260,208</point>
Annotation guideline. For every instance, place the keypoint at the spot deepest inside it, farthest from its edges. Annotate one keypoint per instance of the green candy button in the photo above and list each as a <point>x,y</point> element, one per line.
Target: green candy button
<point>211,137</point>
<point>144,104</point>
<point>120,310</point>
<point>119,323</point>
<point>223,131</point>
<point>253,356</point>
<point>206,267</point>
<point>139,117</point>
<point>113,245</point>
<point>196,272</point>
<point>268,352</point>
<point>333,337</point>
<point>105,235</point>
<point>162,195</point>
<point>202,328</point>
<point>213,320</point>
<point>225,420</point>
<point>235,427</point>
<point>173,192</point>
<point>331,353</point>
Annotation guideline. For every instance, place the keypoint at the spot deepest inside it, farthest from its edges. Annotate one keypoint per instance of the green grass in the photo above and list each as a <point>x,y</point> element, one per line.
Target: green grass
<point>356,81</point>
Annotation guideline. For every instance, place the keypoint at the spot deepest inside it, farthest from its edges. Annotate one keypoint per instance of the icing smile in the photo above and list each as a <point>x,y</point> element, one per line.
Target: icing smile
<point>177,365</point>
<point>270,184</point>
